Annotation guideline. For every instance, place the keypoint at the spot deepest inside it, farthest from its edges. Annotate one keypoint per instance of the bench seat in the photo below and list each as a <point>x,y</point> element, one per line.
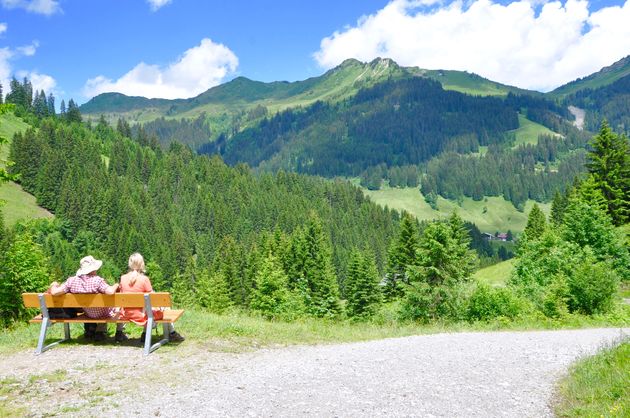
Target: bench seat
<point>170,316</point>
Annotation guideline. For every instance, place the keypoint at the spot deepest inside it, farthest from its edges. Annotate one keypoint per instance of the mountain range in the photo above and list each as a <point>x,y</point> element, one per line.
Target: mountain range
<point>361,115</point>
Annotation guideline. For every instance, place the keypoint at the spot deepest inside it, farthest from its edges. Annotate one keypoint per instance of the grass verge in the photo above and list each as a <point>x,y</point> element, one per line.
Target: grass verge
<point>597,386</point>
<point>236,331</point>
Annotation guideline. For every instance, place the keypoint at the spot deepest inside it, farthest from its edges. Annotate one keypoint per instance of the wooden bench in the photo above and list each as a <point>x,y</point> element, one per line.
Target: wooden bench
<point>149,301</point>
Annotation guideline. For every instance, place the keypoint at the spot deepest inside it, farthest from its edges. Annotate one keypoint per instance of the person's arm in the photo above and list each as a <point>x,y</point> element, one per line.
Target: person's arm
<point>103,287</point>
<point>57,289</point>
<point>111,289</point>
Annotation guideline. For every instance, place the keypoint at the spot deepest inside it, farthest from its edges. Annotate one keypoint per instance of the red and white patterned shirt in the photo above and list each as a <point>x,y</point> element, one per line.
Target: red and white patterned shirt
<point>89,284</point>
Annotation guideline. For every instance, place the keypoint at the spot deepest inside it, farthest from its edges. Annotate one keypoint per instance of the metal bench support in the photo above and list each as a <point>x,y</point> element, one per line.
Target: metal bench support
<point>148,348</point>
<point>44,328</point>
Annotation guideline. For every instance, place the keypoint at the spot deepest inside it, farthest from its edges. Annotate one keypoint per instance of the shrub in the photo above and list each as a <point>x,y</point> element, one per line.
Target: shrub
<point>424,303</point>
<point>592,286</point>
<point>487,303</point>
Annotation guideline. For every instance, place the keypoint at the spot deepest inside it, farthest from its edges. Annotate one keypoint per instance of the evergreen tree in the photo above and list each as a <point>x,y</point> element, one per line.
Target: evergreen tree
<point>402,254</point>
<point>588,225</point>
<point>558,207</point>
<point>28,93</point>
<point>158,281</point>
<point>272,298</point>
<point>17,96</point>
<point>1,96</point>
<point>62,108</point>
<point>51,104</point>
<point>444,254</point>
<point>184,286</point>
<point>318,271</point>
<point>362,285</point>
<point>73,114</point>
<point>609,163</point>
<point>213,292</point>
<point>536,224</point>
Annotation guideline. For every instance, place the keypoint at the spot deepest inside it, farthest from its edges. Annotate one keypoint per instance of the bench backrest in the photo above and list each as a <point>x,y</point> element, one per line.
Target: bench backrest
<point>98,300</point>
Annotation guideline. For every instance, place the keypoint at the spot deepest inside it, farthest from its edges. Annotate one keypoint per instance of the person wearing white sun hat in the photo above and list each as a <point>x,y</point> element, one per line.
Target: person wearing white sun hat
<point>87,281</point>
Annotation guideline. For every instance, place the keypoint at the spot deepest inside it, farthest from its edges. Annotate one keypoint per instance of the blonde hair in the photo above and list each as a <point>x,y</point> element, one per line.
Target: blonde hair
<point>136,266</point>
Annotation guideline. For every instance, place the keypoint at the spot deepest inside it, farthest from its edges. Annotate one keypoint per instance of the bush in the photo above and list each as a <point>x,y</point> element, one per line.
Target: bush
<point>487,303</point>
<point>424,303</point>
<point>592,287</point>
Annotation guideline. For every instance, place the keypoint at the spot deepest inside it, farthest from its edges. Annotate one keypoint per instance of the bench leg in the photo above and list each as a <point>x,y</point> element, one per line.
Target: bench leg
<point>147,337</point>
<point>46,323</point>
<point>167,331</point>
<point>66,331</point>
<point>42,336</point>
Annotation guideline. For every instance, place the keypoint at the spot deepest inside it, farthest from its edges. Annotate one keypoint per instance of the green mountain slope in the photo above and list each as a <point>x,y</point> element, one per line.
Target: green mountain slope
<point>15,203</point>
<point>603,77</point>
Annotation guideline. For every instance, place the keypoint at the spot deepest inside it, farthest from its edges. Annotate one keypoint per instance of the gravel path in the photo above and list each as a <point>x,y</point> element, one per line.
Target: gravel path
<point>493,374</point>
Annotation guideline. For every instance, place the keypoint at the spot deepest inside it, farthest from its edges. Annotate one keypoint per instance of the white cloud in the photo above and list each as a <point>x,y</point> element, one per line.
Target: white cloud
<point>156,4</point>
<point>511,43</point>
<point>28,50</point>
<point>39,81</point>
<point>3,28</point>
<point>45,7</point>
<point>198,69</point>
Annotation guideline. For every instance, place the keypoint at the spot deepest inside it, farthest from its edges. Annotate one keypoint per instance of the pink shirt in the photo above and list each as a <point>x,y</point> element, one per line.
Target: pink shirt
<point>89,284</point>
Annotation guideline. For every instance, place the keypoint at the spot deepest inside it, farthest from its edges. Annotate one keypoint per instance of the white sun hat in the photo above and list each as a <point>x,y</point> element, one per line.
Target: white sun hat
<point>88,265</point>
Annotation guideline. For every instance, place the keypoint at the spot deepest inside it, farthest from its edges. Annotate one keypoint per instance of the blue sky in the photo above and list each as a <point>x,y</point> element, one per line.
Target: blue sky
<point>179,48</point>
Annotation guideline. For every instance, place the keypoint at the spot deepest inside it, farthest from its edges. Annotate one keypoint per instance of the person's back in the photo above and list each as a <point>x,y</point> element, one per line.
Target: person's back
<point>87,281</point>
<point>135,281</point>
<point>89,284</point>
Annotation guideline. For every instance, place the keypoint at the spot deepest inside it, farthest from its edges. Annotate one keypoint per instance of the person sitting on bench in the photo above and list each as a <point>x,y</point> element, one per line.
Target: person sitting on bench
<point>137,281</point>
<point>87,281</point>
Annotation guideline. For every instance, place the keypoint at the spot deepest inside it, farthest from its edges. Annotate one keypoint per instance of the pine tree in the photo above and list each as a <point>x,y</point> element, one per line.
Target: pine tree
<point>402,254</point>
<point>51,104</point>
<point>62,108</point>
<point>73,114</point>
<point>318,271</point>
<point>536,224</point>
<point>444,254</point>
<point>609,163</point>
<point>213,292</point>
<point>1,96</point>
<point>558,207</point>
<point>362,285</point>
<point>184,294</point>
<point>272,298</point>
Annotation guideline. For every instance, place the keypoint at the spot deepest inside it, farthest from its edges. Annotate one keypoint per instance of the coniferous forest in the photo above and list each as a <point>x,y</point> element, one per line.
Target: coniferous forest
<point>285,245</point>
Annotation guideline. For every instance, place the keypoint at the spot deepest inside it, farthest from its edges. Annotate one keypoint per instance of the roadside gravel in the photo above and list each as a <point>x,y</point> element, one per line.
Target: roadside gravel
<point>489,374</point>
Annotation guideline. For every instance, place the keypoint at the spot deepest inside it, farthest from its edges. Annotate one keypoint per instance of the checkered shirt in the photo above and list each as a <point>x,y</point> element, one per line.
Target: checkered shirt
<point>89,284</point>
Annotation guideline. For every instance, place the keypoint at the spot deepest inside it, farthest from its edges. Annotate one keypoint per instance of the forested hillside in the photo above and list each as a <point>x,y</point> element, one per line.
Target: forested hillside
<point>395,123</point>
<point>116,197</point>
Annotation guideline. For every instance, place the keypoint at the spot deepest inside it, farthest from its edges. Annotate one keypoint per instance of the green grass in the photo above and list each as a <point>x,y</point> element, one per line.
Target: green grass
<point>496,274</point>
<point>528,131</point>
<point>490,215</point>
<point>598,386</point>
<point>9,125</point>
<point>17,204</point>
<point>237,331</point>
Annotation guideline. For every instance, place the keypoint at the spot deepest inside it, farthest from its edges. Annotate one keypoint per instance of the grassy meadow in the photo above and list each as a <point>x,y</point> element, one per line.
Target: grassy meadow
<point>490,215</point>
<point>15,203</point>
<point>495,275</point>
<point>528,131</point>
